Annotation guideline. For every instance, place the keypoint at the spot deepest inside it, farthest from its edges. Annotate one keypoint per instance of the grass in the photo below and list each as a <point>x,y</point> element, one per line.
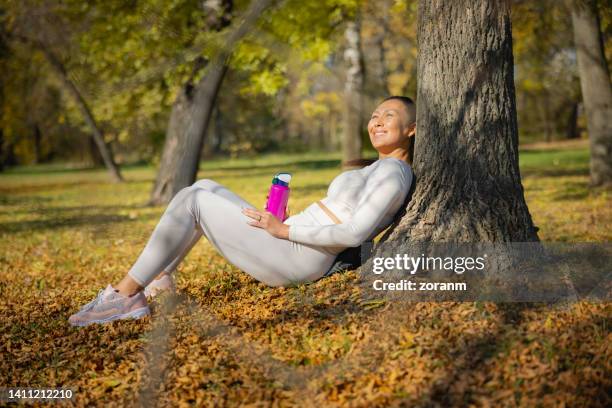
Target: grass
<point>229,340</point>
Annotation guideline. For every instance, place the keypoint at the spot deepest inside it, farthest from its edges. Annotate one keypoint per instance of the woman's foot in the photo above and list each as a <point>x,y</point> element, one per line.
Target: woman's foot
<point>110,305</point>
<point>160,285</point>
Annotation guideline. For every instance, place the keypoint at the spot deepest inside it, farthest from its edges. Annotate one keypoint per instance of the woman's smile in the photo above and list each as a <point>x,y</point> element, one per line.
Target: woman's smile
<point>379,133</point>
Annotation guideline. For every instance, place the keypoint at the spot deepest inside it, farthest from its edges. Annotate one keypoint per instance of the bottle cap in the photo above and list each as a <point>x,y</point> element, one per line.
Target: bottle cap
<point>285,177</point>
<point>280,182</point>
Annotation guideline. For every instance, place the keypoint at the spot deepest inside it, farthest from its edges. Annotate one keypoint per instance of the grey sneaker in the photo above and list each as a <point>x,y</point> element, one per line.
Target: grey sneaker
<point>159,285</point>
<point>110,305</point>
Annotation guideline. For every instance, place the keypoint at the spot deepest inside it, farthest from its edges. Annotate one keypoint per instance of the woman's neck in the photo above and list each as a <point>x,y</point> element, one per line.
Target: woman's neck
<point>397,154</point>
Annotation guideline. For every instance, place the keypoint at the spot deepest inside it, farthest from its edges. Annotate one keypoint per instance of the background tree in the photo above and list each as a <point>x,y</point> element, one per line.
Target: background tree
<point>192,110</point>
<point>546,73</point>
<point>466,155</point>
<point>353,92</point>
<point>596,88</point>
<point>35,24</point>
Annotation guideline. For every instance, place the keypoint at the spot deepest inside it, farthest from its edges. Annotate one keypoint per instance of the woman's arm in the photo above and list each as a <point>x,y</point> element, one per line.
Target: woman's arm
<point>267,221</point>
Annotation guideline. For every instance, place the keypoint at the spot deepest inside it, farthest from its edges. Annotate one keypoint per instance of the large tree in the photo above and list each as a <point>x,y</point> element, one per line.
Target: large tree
<point>596,88</point>
<point>468,185</point>
<point>79,100</point>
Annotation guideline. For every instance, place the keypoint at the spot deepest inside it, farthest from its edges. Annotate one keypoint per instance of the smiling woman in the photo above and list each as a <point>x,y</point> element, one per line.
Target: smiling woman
<point>300,249</point>
<point>392,128</point>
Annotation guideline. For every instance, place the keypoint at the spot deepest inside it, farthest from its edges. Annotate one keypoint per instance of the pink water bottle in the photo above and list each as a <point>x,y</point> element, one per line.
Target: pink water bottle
<point>279,196</point>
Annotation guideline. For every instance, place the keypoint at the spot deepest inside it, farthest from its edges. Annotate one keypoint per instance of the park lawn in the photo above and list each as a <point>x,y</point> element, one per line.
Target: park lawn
<point>227,339</point>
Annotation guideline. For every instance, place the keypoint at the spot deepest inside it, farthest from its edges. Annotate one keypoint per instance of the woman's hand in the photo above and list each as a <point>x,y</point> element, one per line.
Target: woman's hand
<point>267,221</point>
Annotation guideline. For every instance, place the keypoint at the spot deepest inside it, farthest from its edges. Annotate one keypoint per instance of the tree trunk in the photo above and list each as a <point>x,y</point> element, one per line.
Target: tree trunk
<point>353,93</point>
<point>72,89</point>
<point>191,114</point>
<point>94,153</point>
<point>37,143</point>
<point>333,132</point>
<point>189,119</point>
<point>468,186</point>
<point>596,88</point>
<point>216,148</point>
<point>382,57</point>
<point>571,131</point>
<point>545,115</point>
<point>8,153</point>
<point>212,143</point>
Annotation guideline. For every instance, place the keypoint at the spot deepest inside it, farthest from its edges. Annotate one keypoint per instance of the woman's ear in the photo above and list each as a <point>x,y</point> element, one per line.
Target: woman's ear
<point>408,131</point>
<point>412,130</point>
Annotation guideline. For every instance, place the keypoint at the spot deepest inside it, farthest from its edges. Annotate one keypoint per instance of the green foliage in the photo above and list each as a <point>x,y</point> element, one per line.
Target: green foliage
<point>545,63</point>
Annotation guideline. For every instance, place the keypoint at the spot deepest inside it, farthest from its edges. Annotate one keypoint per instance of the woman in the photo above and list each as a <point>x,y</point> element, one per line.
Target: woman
<point>359,205</point>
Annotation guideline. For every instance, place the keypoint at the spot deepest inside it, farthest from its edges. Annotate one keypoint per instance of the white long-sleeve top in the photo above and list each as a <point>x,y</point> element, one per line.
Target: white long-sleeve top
<point>365,200</point>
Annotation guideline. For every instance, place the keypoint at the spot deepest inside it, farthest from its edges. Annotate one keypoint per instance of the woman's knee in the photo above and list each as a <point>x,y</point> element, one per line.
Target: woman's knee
<point>206,184</point>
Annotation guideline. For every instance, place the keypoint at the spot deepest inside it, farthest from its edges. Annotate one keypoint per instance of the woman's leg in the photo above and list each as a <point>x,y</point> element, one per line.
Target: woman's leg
<point>271,260</point>
<point>217,211</point>
<point>218,214</point>
<point>172,236</point>
<point>214,187</point>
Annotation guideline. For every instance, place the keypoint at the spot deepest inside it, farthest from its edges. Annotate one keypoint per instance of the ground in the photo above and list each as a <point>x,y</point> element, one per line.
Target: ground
<point>228,340</point>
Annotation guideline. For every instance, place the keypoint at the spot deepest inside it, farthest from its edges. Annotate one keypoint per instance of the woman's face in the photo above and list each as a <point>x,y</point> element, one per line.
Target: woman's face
<point>389,126</point>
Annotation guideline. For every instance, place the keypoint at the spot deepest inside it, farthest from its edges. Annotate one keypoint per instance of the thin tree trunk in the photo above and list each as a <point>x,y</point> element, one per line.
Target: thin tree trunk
<point>545,118</point>
<point>596,88</point>
<point>571,131</point>
<point>212,144</point>
<point>37,143</point>
<point>353,93</point>
<point>9,158</point>
<point>333,132</point>
<point>218,132</point>
<point>321,135</point>
<point>72,89</point>
<point>468,186</point>
<point>382,57</point>
<point>94,152</point>
<point>190,116</point>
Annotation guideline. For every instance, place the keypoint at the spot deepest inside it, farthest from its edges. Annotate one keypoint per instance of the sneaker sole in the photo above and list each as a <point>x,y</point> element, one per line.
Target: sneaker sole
<point>134,314</point>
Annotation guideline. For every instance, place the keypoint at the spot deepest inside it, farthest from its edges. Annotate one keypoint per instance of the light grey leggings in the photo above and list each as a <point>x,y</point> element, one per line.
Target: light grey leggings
<point>208,207</point>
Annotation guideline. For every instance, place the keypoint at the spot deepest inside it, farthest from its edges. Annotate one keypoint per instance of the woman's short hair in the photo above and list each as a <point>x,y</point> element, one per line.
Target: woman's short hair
<point>408,104</point>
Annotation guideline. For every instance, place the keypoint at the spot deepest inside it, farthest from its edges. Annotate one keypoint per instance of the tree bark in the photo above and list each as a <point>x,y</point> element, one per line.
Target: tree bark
<point>75,93</point>
<point>353,93</point>
<point>596,88</point>
<point>191,113</point>
<point>185,135</point>
<point>468,185</point>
